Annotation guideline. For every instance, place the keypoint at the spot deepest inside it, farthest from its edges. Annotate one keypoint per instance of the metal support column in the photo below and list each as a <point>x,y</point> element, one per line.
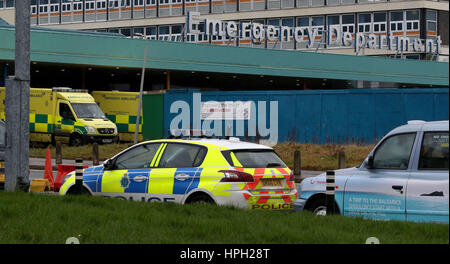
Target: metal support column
<point>17,105</point>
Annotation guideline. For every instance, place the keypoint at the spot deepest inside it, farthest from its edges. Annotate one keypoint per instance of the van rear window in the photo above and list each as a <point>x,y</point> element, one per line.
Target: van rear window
<point>253,158</point>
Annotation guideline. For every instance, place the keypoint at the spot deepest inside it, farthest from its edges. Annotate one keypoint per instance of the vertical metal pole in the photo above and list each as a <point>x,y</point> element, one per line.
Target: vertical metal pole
<point>341,160</point>
<point>138,117</point>
<point>95,161</point>
<point>78,176</point>
<point>297,166</point>
<point>330,193</point>
<point>58,150</point>
<point>17,105</point>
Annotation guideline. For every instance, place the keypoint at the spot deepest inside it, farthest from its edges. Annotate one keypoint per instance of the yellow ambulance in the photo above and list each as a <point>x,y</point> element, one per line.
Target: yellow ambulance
<point>66,115</point>
<point>121,108</point>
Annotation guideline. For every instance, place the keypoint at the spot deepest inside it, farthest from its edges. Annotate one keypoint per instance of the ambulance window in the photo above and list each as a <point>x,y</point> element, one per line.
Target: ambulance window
<point>434,152</point>
<point>139,157</point>
<point>182,156</point>
<point>65,112</point>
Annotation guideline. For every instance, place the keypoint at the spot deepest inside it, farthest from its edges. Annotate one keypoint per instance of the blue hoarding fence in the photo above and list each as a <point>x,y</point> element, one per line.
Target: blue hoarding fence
<point>361,116</point>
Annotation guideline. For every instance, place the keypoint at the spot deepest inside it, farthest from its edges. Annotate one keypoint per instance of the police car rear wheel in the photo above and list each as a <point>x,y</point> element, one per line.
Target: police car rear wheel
<point>199,198</point>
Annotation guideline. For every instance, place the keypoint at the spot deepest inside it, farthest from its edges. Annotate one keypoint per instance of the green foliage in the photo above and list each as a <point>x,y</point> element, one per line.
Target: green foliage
<point>36,218</point>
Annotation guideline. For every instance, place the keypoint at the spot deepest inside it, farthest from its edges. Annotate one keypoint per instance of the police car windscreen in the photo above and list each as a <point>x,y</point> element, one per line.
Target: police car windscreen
<point>253,159</point>
<point>89,110</point>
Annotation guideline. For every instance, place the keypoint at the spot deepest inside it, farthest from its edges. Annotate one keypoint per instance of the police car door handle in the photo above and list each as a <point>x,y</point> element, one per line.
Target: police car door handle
<point>140,178</point>
<point>182,177</point>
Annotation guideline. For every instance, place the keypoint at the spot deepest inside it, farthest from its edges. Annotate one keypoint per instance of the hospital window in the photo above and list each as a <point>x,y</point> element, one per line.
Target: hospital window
<point>332,2</point>
<point>126,32</point>
<point>431,20</point>
<point>333,20</point>
<point>125,3</point>
<point>113,3</point>
<point>303,22</point>
<point>33,6</point>
<point>9,3</point>
<point>54,8</point>
<point>77,6</point>
<point>247,33</point>
<point>65,7</point>
<point>317,2</point>
<point>379,22</point>
<point>101,5</point>
<point>90,5</point>
<point>43,9</point>
<point>150,32</point>
<point>348,23</point>
<point>288,22</point>
<point>164,33</point>
<point>364,22</point>
<point>202,37</point>
<point>317,23</point>
<point>397,21</point>
<point>412,20</point>
<point>137,32</point>
<point>176,33</point>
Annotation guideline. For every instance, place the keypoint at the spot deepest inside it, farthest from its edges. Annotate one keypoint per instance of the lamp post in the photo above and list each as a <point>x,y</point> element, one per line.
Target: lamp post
<point>136,132</point>
<point>17,105</point>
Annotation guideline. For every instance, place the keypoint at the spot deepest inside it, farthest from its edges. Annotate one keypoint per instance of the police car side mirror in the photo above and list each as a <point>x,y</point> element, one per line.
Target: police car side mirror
<point>108,164</point>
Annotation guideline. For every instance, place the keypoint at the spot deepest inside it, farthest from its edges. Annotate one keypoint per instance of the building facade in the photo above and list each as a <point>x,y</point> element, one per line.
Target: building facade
<point>167,20</point>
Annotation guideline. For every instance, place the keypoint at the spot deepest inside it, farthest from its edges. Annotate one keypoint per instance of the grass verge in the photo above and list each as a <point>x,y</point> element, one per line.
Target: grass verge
<point>34,218</point>
<point>313,157</point>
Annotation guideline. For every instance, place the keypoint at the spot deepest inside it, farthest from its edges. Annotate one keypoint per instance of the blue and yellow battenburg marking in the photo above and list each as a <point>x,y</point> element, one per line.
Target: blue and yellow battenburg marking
<point>122,181</point>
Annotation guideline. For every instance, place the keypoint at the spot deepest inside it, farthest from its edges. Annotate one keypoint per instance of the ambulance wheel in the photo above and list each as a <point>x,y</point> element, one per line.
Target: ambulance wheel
<point>76,140</point>
<point>199,198</point>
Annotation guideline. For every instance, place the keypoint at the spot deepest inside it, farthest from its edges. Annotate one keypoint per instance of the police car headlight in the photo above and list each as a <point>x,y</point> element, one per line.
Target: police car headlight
<point>90,129</point>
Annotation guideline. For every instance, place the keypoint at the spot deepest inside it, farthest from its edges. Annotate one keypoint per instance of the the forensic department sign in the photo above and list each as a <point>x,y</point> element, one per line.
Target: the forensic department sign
<point>334,36</point>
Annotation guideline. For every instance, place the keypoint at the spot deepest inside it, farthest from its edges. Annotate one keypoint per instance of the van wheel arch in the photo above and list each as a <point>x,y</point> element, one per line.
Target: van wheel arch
<point>319,198</point>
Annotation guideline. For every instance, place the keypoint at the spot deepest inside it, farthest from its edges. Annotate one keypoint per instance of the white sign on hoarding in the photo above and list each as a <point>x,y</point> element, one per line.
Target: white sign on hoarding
<point>213,110</point>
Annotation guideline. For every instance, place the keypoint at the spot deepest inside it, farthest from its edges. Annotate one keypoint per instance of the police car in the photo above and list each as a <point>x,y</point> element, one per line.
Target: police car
<point>220,171</point>
<point>405,177</point>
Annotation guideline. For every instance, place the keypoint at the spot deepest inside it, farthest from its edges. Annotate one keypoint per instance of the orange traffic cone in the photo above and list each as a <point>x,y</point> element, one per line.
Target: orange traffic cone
<point>48,171</point>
